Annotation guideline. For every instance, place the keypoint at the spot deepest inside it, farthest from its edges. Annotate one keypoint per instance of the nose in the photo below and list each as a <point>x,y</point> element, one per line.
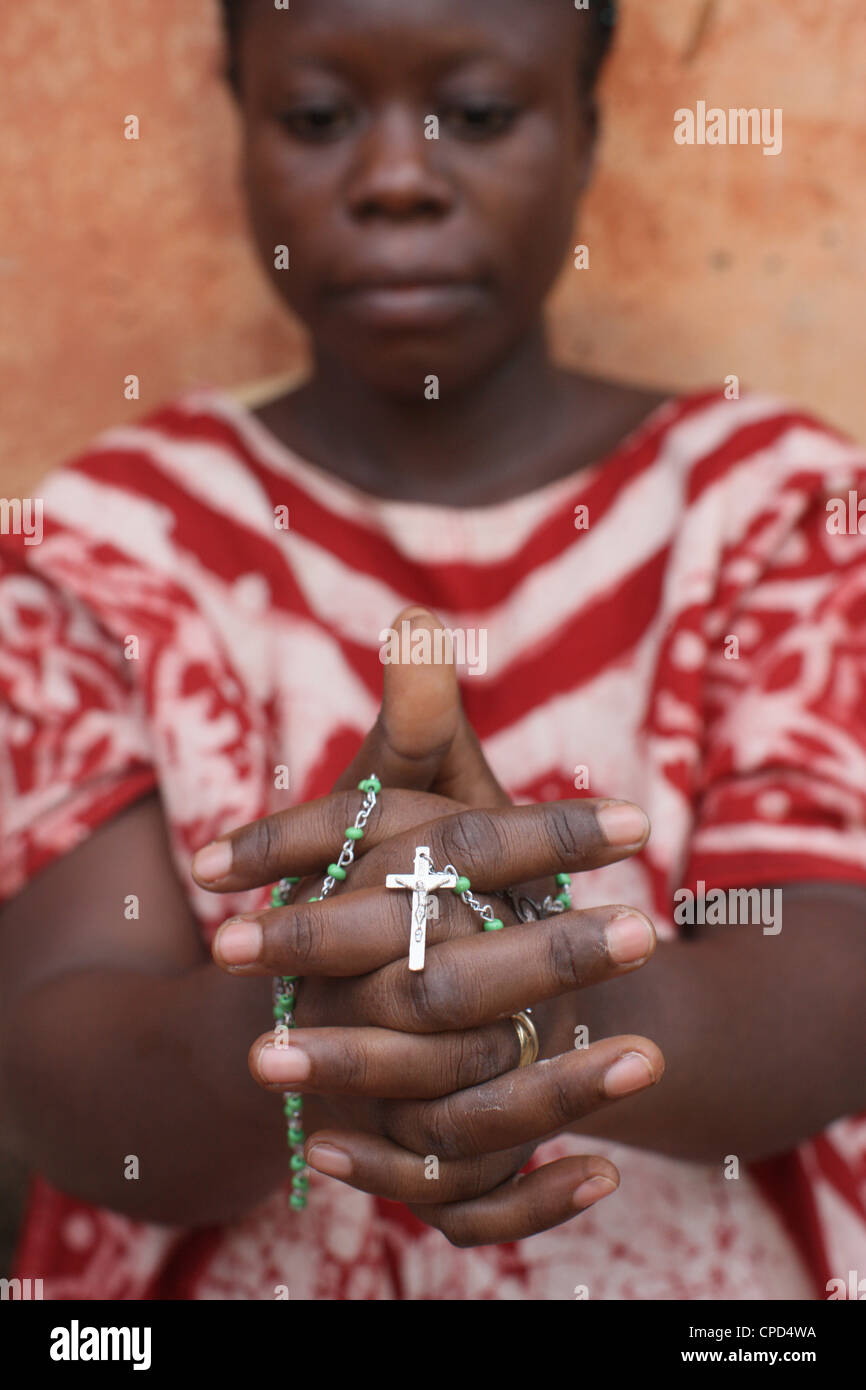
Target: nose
<point>396,173</point>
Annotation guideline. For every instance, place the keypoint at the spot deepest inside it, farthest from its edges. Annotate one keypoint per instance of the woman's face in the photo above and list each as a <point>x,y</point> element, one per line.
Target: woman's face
<point>415,249</point>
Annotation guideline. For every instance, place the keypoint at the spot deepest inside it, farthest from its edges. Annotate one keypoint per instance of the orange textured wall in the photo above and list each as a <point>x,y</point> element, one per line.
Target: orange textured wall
<point>119,256</point>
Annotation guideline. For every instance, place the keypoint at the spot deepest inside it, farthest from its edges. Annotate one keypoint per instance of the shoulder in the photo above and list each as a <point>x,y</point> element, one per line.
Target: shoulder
<point>714,441</point>
<point>200,429</point>
<point>149,509</point>
<point>744,474</point>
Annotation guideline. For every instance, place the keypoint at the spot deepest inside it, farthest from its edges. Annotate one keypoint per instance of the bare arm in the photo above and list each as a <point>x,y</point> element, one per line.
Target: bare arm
<point>122,1038</point>
<point>764,1037</point>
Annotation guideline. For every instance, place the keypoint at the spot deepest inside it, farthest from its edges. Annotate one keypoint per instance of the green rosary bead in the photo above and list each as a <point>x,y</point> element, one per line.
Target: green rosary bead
<point>494,924</point>
<point>336,872</point>
<point>289,979</point>
<point>354,832</point>
<point>293,1105</point>
<point>312,900</point>
<point>301,1182</point>
<point>564,898</point>
<point>296,1136</point>
<point>461,886</point>
<point>562,879</point>
<point>297,1163</point>
<point>298,1201</point>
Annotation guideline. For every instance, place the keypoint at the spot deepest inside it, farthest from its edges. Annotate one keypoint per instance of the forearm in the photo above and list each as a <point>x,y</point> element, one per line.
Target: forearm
<point>763,1036</point>
<point>100,1068</point>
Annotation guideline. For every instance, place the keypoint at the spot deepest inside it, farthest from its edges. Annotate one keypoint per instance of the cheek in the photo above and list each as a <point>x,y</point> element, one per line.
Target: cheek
<point>290,198</point>
<point>528,202</point>
<point>534,235</point>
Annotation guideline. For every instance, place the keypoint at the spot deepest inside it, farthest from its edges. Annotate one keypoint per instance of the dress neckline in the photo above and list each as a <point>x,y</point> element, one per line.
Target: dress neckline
<point>348,497</point>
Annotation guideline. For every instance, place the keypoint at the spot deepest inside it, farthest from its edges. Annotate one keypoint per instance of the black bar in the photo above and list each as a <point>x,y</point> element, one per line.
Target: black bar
<point>280,1340</point>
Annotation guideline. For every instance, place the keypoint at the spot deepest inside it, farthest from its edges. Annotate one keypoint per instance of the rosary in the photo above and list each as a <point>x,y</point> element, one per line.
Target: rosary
<point>422,881</point>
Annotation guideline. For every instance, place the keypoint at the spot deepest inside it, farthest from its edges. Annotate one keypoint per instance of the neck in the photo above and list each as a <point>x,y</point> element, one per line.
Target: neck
<point>477,444</point>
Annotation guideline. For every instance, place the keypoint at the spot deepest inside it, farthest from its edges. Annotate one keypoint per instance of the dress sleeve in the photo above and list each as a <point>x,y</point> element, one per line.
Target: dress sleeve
<point>783,786</point>
<point>74,745</point>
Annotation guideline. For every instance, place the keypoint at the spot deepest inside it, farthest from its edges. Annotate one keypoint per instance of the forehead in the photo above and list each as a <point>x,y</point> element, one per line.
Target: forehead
<point>430,33</point>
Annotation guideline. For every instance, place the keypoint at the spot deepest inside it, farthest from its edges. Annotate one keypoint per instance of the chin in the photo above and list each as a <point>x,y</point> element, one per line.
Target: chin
<point>405,370</point>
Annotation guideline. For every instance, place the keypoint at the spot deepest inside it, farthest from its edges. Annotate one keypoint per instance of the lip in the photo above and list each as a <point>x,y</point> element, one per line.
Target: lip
<point>405,302</point>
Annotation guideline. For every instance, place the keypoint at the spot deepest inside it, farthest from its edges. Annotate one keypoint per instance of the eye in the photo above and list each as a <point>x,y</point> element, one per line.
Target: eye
<point>479,120</point>
<point>318,122</point>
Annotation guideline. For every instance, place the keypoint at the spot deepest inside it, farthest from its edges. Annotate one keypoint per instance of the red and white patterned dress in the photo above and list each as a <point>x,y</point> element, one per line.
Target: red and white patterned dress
<point>606,649</point>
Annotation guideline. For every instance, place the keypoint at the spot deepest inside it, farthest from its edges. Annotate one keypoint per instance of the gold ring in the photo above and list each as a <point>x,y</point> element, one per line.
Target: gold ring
<point>527,1037</point>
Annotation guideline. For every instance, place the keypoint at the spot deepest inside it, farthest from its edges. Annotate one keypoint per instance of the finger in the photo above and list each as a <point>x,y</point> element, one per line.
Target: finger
<point>422,738</point>
<point>528,1104</point>
<point>381,1063</point>
<point>352,934</point>
<point>468,981</point>
<point>471,976</point>
<point>519,1207</point>
<point>376,1165</point>
<point>513,844</point>
<point>493,848</point>
<point>300,840</point>
<point>526,1204</point>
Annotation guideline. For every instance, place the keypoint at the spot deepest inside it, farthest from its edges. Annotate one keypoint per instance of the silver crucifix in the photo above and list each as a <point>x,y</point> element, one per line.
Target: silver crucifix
<point>422,881</point>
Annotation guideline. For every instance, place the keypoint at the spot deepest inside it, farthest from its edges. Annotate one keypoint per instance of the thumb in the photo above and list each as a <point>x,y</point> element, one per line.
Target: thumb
<point>422,739</point>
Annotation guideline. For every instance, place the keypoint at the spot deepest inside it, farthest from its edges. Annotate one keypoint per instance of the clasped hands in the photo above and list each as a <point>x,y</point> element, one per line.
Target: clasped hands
<point>398,1067</point>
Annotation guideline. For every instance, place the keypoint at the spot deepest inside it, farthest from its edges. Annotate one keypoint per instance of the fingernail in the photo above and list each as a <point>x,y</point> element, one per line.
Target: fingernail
<point>631,1073</point>
<point>238,942</point>
<point>327,1159</point>
<point>214,861</point>
<point>628,939</point>
<point>592,1191</point>
<point>622,823</point>
<point>283,1064</point>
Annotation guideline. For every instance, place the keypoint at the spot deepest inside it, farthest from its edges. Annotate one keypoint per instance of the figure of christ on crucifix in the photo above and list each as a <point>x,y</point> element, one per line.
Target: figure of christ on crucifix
<point>423,880</point>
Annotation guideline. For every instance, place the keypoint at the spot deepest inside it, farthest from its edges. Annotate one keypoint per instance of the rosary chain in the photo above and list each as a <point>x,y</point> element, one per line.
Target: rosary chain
<point>285,986</point>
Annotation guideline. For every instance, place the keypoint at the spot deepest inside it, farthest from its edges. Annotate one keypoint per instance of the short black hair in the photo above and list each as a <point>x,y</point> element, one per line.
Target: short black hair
<point>602,13</point>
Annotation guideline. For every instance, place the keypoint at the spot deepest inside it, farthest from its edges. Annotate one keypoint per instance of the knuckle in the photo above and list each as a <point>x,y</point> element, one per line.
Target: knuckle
<point>471,834</point>
<point>305,937</point>
<point>478,1057</point>
<point>352,1070</point>
<point>432,997</point>
<point>563,961</point>
<point>443,1125</point>
<point>345,809</point>
<point>534,1215</point>
<point>265,839</point>
<point>561,832</point>
<point>456,1226</point>
<point>561,1099</point>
